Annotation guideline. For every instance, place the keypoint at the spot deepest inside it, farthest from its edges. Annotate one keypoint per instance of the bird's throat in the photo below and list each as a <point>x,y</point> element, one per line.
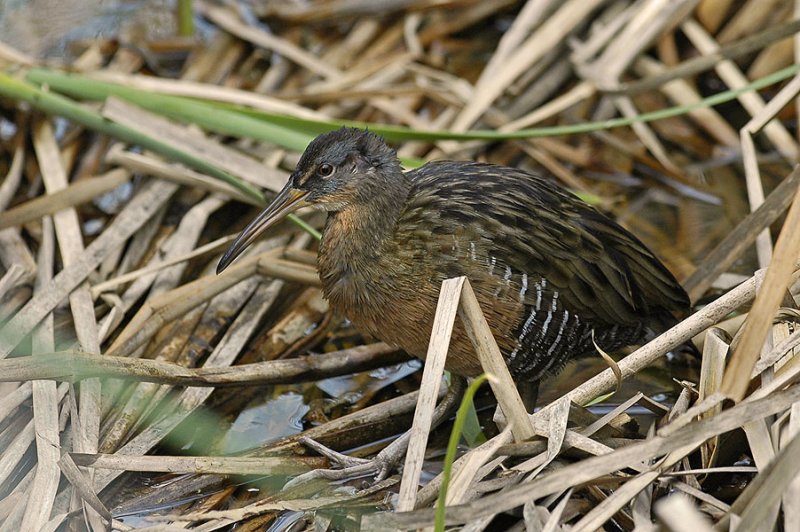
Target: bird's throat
<point>353,242</point>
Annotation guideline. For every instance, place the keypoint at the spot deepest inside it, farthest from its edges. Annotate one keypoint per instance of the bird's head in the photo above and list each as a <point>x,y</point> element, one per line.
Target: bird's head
<point>338,169</point>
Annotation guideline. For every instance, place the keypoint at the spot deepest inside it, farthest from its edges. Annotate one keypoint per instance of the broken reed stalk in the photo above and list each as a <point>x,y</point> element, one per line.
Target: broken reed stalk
<point>83,486</point>
<point>776,281</point>
<point>494,365</point>
<point>457,297</point>
<point>443,321</point>
<point>72,366</point>
<point>71,196</point>
<point>219,465</point>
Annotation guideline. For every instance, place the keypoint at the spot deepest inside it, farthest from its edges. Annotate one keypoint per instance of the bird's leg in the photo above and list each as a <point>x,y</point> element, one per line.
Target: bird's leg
<point>384,461</point>
<point>340,459</point>
<point>529,392</point>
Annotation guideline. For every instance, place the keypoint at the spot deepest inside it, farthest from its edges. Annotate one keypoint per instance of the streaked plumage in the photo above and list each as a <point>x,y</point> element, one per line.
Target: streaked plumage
<point>547,268</point>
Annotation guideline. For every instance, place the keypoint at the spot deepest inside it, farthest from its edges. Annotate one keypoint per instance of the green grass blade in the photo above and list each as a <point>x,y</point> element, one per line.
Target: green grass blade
<point>295,133</point>
<point>187,110</point>
<point>56,104</point>
<point>472,432</point>
<point>401,133</point>
<point>452,446</point>
<point>185,17</point>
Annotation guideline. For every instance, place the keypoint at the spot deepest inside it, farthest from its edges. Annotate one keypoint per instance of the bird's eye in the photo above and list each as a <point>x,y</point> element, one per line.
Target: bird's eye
<point>324,170</point>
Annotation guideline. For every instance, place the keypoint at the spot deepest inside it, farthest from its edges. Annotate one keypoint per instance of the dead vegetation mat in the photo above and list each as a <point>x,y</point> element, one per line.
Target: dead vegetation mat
<point>129,368</point>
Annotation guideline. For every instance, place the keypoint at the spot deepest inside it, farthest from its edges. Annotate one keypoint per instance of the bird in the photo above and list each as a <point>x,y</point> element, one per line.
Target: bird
<point>554,276</point>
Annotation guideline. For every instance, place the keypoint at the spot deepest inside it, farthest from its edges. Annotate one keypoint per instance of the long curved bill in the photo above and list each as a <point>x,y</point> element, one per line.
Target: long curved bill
<point>288,200</point>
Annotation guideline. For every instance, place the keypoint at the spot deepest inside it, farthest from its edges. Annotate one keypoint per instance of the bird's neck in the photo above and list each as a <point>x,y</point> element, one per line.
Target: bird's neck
<point>355,236</point>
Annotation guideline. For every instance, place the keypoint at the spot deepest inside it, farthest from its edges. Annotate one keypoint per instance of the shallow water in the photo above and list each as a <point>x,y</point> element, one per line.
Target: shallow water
<point>44,28</point>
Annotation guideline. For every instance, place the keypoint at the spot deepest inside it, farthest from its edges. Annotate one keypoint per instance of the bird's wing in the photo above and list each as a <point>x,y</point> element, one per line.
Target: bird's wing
<point>599,269</point>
